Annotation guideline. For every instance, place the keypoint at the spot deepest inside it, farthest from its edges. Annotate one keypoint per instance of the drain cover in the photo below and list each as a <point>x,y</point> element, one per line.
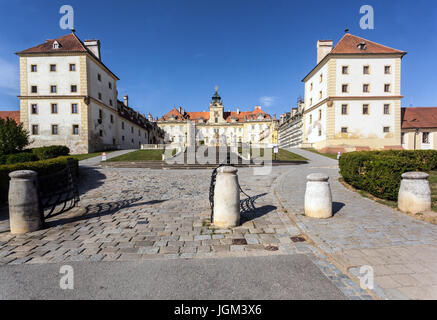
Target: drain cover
<point>143,222</point>
<point>272,248</point>
<point>298,239</point>
<point>239,242</point>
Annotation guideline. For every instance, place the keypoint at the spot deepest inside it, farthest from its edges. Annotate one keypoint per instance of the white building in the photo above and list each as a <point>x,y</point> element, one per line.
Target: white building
<point>69,97</point>
<point>353,96</point>
<point>419,128</point>
<point>290,131</point>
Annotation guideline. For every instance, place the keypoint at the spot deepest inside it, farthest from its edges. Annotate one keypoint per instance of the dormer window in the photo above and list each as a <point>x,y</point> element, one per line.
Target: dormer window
<point>56,45</point>
<point>362,46</point>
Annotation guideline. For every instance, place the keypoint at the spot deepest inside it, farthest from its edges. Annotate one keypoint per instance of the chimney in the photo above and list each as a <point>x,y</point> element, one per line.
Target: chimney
<point>126,100</point>
<point>94,47</point>
<point>324,47</point>
<point>238,111</point>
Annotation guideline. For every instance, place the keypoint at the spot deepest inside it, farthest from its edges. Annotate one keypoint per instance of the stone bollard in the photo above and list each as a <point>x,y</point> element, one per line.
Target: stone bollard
<point>226,198</point>
<point>24,214</point>
<point>318,197</point>
<point>414,193</point>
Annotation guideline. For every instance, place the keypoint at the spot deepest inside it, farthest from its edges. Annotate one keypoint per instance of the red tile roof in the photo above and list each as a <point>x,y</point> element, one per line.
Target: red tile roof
<point>14,115</point>
<point>69,43</point>
<point>228,116</point>
<point>349,44</point>
<point>413,118</point>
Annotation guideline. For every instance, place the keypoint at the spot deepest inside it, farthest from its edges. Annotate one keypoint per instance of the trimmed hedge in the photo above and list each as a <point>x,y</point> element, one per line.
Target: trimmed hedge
<point>20,157</point>
<point>45,153</point>
<point>42,167</point>
<point>379,172</point>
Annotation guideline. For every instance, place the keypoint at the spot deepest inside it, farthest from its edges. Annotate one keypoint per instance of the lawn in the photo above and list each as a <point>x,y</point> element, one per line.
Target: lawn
<point>282,155</point>
<point>140,155</point>
<point>329,155</point>
<point>85,156</point>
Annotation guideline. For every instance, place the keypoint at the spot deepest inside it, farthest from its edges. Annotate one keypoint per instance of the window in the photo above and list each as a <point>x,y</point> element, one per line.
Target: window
<point>425,137</point>
<point>34,89</point>
<point>72,67</point>
<point>75,129</point>
<point>54,129</point>
<point>320,95</point>
<point>344,109</point>
<point>311,118</point>
<point>54,108</point>
<point>344,130</point>
<point>345,88</point>
<point>122,126</point>
<point>35,129</point>
<point>53,89</point>
<point>74,108</point>
<point>110,102</point>
<point>366,70</point>
<point>320,114</point>
<point>113,141</point>
<point>132,130</point>
<point>122,138</point>
<point>100,113</point>
<point>311,87</point>
<point>101,133</point>
<point>311,101</point>
<point>387,87</point>
<point>366,88</point>
<point>33,68</point>
<point>99,77</point>
<point>387,69</point>
<point>365,109</point>
<point>112,118</point>
<point>34,109</point>
<point>216,120</point>
<point>321,77</point>
<point>403,138</point>
<point>53,68</point>
<point>386,129</point>
<point>73,88</point>
<point>110,85</point>
<point>139,132</point>
<point>345,70</point>
<point>320,132</point>
<point>100,96</point>
<point>386,109</point>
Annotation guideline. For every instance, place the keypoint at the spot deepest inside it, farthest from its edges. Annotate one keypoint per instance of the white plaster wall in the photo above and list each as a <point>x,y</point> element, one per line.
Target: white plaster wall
<point>365,126</point>
<point>312,129</point>
<point>355,79</point>
<point>317,87</point>
<point>95,86</point>
<point>63,78</point>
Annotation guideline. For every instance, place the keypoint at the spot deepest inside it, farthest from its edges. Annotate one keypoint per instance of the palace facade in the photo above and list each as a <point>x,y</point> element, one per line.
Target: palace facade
<point>218,127</point>
<point>68,96</point>
<point>352,97</point>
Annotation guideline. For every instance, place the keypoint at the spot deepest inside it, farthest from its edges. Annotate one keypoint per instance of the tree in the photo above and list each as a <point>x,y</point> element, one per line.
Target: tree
<point>13,137</point>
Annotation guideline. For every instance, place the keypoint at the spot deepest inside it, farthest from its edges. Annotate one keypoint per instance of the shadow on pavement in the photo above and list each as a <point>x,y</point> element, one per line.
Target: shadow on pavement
<point>336,207</point>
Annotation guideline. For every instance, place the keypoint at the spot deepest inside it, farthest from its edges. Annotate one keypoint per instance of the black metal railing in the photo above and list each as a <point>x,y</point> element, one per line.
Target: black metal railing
<point>58,189</point>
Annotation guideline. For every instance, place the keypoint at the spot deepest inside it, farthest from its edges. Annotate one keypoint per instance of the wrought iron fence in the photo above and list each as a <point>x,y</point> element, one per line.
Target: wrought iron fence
<point>58,189</point>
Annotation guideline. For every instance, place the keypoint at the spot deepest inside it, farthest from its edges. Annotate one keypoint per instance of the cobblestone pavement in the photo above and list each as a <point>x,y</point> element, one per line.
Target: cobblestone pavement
<point>137,214</point>
<point>401,250</point>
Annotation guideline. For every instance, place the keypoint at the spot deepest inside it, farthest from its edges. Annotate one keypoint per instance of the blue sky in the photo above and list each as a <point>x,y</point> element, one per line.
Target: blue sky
<point>173,52</point>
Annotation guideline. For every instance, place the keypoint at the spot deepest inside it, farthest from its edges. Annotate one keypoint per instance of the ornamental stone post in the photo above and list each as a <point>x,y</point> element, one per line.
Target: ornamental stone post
<point>24,214</point>
<point>318,197</point>
<point>226,198</point>
<point>414,193</point>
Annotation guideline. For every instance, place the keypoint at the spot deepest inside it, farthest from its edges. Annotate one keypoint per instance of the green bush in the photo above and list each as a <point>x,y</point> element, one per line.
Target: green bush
<point>42,167</point>
<point>20,157</point>
<point>379,172</point>
<point>45,153</point>
<point>13,137</point>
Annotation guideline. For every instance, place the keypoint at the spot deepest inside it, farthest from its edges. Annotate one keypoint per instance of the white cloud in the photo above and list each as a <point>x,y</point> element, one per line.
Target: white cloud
<point>9,76</point>
<point>267,101</point>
